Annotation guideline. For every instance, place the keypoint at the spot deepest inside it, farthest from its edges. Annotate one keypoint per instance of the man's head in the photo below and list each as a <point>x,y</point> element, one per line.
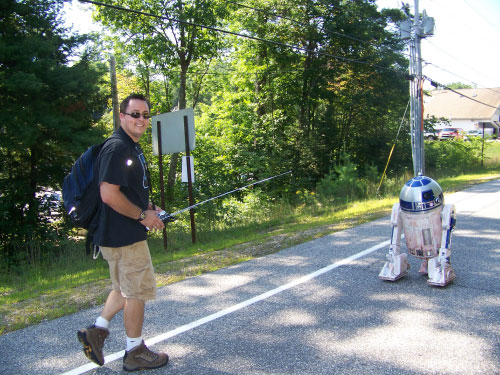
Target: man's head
<point>125,102</point>
<point>134,115</point>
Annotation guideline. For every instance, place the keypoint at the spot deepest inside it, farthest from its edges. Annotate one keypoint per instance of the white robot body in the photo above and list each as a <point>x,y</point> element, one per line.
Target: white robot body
<point>427,224</point>
<point>422,232</point>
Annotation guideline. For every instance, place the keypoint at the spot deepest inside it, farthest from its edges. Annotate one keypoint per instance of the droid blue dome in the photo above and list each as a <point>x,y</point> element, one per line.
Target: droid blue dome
<point>420,194</point>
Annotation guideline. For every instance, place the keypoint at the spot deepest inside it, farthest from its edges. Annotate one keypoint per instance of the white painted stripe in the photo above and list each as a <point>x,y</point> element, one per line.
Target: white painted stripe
<point>229,310</point>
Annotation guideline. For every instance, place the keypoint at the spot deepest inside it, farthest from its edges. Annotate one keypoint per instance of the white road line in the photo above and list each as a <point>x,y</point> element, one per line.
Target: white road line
<point>187,327</point>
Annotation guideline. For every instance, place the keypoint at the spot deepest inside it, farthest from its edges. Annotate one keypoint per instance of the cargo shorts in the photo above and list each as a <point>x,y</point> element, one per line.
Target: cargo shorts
<point>131,270</point>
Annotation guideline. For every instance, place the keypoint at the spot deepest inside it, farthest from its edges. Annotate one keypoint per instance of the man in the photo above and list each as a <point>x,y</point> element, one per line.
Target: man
<point>121,235</point>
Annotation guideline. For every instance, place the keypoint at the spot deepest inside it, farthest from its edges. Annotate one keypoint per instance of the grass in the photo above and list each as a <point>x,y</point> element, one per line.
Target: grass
<point>492,154</point>
<point>74,281</point>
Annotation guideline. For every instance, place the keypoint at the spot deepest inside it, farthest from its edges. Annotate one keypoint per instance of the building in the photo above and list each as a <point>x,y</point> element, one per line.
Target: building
<point>467,109</point>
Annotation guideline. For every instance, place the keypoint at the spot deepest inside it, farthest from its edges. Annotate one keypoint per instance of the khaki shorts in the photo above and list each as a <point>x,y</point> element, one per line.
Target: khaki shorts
<point>131,270</point>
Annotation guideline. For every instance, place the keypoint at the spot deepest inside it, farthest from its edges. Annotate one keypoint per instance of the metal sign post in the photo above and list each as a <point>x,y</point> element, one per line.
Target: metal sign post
<point>162,184</point>
<point>178,136</point>
<point>190,182</point>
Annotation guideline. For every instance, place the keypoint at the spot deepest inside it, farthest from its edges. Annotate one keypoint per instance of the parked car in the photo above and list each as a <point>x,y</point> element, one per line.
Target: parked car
<point>450,133</point>
<point>431,136</point>
<point>50,203</point>
<point>474,133</point>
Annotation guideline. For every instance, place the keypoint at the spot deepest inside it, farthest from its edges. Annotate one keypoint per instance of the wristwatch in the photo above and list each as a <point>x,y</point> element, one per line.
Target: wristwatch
<point>142,216</point>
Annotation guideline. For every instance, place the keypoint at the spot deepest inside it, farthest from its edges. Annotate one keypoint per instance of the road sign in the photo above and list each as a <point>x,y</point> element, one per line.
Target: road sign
<point>172,130</point>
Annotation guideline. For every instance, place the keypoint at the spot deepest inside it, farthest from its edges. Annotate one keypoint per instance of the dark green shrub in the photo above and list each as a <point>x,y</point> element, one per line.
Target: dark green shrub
<point>451,157</point>
<point>341,184</point>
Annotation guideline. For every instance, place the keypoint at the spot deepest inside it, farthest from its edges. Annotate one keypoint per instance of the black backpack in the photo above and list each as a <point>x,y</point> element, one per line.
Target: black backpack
<point>80,189</point>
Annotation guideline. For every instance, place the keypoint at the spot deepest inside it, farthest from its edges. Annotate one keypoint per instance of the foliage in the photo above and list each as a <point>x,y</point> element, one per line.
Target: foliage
<point>261,106</point>
<point>459,85</point>
<point>296,85</point>
<point>451,157</point>
<point>64,284</point>
<point>48,106</point>
<point>156,45</point>
<point>343,185</point>
<point>275,109</point>
<point>432,122</point>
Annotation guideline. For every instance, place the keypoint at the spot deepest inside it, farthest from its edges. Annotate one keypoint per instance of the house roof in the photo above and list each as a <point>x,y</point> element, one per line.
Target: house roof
<point>449,104</point>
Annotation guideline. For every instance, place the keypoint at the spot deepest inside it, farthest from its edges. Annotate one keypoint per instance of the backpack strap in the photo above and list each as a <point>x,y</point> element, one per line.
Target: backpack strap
<point>93,225</point>
<point>148,175</point>
<point>96,251</point>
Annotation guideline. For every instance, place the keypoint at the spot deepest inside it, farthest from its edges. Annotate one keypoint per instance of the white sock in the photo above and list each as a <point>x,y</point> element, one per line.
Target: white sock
<point>133,342</point>
<point>101,322</point>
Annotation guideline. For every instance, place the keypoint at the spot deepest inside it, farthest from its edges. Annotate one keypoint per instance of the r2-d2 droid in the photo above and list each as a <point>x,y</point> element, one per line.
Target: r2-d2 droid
<point>427,224</point>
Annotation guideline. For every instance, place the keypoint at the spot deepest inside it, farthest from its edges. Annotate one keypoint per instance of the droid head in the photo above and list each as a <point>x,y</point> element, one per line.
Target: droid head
<point>420,194</point>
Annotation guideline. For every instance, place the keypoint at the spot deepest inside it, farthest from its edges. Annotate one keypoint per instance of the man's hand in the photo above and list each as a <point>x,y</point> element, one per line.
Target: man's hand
<point>152,221</point>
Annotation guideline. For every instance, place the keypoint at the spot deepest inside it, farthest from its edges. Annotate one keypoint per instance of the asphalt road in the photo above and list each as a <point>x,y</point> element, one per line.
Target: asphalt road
<point>316,308</point>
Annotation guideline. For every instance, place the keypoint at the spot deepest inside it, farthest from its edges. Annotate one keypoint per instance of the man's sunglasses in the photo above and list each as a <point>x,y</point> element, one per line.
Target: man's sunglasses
<point>146,116</point>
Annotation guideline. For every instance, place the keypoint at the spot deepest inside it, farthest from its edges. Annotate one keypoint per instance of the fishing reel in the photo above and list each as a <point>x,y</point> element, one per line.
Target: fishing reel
<point>165,217</point>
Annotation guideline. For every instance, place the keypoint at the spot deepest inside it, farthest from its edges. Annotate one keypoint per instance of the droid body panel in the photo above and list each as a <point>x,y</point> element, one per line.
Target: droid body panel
<point>426,223</point>
<point>422,232</point>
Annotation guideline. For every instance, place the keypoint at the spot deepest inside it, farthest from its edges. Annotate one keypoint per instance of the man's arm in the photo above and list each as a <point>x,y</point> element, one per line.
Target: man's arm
<point>114,198</point>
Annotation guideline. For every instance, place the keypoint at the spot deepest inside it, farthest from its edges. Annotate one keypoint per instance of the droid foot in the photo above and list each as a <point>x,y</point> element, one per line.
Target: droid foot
<point>423,267</point>
<point>442,276</point>
<point>392,277</point>
<point>393,271</point>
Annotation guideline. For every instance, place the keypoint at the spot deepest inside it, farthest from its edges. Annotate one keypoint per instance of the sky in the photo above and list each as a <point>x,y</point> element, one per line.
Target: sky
<point>465,46</point>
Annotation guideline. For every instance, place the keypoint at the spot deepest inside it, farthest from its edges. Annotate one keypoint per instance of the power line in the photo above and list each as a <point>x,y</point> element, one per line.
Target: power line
<point>456,75</point>
<point>436,84</point>
<point>447,71</point>
<point>454,58</point>
<point>326,29</point>
<point>481,16</point>
<point>227,71</point>
<point>281,44</point>
<point>298,23</point>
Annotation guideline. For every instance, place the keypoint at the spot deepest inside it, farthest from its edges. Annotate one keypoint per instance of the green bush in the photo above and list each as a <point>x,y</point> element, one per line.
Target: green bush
<point>251,208</point>
<point>342,184</point>
<point>452,157</point>
<point>372,179</point>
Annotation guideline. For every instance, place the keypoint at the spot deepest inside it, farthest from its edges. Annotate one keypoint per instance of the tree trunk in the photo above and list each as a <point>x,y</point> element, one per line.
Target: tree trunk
<point>114,93</point>
<point>174,159</point>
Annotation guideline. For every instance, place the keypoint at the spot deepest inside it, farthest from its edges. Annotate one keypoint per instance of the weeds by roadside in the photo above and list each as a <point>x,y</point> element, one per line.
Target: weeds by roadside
<point>75,282</point>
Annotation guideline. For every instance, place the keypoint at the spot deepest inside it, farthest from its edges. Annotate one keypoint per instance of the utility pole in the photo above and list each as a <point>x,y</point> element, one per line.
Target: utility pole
<point>114,92</point>
<point>416,108</point>
<point>415,32</point>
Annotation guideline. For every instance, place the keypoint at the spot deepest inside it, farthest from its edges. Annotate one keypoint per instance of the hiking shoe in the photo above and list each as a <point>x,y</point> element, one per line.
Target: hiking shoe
<point>141,358</point>
<point>92,339</point>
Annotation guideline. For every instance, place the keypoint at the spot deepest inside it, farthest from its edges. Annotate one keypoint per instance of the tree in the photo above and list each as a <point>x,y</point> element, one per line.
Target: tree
<point>48,107</point>
<point>340,91</point>
<point>170,39</point>
<point>459,85</point>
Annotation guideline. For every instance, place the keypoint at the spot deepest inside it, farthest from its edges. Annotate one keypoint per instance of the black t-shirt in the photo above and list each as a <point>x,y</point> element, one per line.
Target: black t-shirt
<point>122,162</point>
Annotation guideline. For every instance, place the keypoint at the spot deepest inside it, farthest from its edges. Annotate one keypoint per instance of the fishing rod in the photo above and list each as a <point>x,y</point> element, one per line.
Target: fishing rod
<point>166,217</point>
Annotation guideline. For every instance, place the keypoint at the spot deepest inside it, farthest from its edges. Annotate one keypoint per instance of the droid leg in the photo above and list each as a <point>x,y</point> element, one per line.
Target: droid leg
<point>440,271</point>
<point>397,264</point>
<point>423,267</point>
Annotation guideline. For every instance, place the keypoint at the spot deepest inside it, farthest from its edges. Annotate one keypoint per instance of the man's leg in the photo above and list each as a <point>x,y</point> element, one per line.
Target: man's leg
<point>133,317</point>
<point>114,303</point>
<point>93,336</point>
<point>137,355</point>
